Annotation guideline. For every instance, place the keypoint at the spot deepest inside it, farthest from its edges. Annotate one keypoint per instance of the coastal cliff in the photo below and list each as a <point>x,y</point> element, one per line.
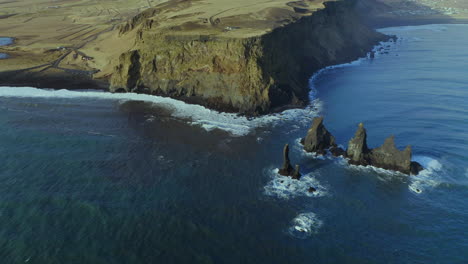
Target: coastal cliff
<point>250,75</point>
<point>234,56</point>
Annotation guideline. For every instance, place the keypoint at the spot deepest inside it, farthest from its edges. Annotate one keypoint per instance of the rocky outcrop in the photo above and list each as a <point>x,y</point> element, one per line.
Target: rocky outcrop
<point>128,72</point>
<point>357,151</point>
<point>287,169</point>
<point>389,157</point>
<point>296,174</point>
<point>416,168</point>
<point>386,157</point>
<point>247,74</point>
<point>337,152</point>
<point>318,138</point>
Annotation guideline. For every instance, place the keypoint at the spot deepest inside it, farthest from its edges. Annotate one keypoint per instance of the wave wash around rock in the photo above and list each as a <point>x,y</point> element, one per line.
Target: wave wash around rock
<point>387,156</point>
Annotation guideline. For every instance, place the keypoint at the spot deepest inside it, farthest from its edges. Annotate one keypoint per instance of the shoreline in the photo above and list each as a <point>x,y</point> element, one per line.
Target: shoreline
<point>249,122</point>
<point>246,73</point>
<point>81,80</point>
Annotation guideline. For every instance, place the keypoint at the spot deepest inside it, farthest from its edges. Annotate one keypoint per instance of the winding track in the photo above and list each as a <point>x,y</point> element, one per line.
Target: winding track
<point>56,64</point>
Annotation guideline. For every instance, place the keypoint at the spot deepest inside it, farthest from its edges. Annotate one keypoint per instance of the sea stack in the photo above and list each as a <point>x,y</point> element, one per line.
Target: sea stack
<point>287,169</point>
<point>389,157</point>
<point>357,147</point>
<point>318,138</point>
<point>386,157</point>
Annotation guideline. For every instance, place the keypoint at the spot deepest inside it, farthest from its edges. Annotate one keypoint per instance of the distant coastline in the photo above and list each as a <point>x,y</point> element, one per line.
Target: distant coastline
<point>255,75</point>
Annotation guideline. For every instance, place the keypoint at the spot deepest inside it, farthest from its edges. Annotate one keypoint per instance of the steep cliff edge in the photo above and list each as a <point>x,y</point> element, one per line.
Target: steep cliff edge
<point>251,57</point>
<point>250,69</point>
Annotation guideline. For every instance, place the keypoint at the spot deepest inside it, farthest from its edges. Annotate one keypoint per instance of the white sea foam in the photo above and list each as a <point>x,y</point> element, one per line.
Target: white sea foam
<point>287,188</point>
<point>198,115</point>
<point>305,225</point>
<point>386,173</point>
<point>429,177</point>
<point>300,148</point>
<point>426,179</point>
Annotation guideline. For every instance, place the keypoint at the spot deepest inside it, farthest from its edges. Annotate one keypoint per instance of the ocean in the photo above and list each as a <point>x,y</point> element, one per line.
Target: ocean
<point>94,177</point>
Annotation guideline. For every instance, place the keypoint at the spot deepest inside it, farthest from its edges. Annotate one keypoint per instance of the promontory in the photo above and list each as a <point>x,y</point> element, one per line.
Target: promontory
<point>251,57</point>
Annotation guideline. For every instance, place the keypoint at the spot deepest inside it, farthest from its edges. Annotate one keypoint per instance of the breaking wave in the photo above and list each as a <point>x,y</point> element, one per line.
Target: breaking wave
<point>305,225</point>
<point>426,179</point>
<point>196,114</point>
<point>286,188</point>
<point>429,177</point>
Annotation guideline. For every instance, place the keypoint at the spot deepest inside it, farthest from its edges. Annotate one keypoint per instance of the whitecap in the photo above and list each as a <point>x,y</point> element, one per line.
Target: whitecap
<point>286,188</point>
<point>429,177</point>
<point>428,163</point>
<point>305,225</point>
<point>198,115</point>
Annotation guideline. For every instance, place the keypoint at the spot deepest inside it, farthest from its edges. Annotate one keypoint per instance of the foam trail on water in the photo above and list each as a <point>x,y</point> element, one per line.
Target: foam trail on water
<point>305,225</point>
<point>198,115</point>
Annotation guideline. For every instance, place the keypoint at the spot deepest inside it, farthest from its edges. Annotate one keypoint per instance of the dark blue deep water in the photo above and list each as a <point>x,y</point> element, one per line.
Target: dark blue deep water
<point>90,177</point>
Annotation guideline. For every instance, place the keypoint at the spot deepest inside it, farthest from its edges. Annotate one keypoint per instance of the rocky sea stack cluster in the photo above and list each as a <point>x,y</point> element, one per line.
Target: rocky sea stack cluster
<point>387,156</point>
<point>319,140</point>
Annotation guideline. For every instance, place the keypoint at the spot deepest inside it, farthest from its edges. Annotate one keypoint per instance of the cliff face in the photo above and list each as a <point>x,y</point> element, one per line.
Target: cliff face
<point>250,75</point>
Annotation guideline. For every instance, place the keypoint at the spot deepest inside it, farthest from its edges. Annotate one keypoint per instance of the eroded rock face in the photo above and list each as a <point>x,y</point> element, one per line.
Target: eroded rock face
<point>249,74</point>
<point>357,147</point>
<point>389,157</point>
<point>337,152</point>
<point>416,168</point>
<point>318,138</point>
<point>287,169</point>
<point>296,174</point>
